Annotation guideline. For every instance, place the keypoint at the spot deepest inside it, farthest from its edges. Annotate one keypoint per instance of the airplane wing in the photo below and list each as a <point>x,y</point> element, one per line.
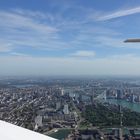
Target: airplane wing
<point>132,40</point>
<point>12,132</point>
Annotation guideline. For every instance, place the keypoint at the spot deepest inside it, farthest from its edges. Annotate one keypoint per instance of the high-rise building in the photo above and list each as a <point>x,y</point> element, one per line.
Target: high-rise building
<point>66,109</point>
<point>132,98</point>
<point>104,95</point>
<point>58,105</point>
<point>38,121</point>
<point>119,94</point>
<point>138,98</point>
<point>121,115</point>
<point>62,92</point>
<point>92,98</point>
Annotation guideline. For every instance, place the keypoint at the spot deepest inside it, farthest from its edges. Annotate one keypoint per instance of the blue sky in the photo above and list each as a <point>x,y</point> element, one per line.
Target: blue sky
<point>69,37</point>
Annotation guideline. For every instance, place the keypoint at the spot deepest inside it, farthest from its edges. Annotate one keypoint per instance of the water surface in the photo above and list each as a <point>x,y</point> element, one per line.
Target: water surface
<point>129,105</point>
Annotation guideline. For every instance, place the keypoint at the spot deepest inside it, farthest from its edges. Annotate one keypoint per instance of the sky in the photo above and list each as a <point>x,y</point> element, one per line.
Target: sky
<point>69,37</point>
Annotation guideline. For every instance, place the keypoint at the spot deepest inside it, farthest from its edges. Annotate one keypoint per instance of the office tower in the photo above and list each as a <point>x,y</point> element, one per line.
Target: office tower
<point>38,121</point>
<point>58,105</point>
<point>66,109</point>
<point>119,94</point>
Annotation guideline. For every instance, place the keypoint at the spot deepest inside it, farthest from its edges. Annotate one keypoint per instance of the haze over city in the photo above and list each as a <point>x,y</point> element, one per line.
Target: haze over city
<point>68,37</point>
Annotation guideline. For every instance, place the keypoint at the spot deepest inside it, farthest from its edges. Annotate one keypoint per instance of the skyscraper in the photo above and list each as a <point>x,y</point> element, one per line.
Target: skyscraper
<point>119,94</point>
<point>66,109</point>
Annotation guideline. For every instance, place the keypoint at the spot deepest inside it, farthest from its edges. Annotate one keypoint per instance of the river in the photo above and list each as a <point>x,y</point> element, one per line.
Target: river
<point>123,103</point>
<point>61,134</point>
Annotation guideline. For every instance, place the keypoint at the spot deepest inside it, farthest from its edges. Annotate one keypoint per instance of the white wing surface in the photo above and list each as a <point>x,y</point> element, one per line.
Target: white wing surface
<point>12,132</point>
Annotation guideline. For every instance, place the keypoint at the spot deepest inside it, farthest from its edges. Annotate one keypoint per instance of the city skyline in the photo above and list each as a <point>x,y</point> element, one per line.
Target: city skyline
<point>70,37</point>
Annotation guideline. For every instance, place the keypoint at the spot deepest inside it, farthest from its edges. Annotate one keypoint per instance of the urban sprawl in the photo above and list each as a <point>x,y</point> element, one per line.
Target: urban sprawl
<point>80,105</point>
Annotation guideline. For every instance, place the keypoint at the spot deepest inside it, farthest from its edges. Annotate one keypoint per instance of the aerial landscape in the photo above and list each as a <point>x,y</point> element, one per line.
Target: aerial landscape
<point>69,108</point>
<point>69,70</point>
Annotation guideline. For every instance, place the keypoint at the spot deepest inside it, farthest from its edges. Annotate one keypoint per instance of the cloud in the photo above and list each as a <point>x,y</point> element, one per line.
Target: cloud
<point>83,53</point>
<point>16,21</point>
<point>19,54</point>
<point>32,29</point>
<point>31,14</point>
<point>29,31</point>
<point>5,47</point>
<point>119,13</point>
<point>20,30</point>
